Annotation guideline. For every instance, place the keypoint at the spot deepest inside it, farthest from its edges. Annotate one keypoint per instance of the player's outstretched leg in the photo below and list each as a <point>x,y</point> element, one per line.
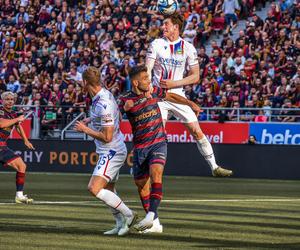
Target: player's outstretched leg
<point>144,188</point>
<point>19,165</point>
<point>156,171</point>
<point>97,188</point>
<point>119,218</point>
<point>206,150</point>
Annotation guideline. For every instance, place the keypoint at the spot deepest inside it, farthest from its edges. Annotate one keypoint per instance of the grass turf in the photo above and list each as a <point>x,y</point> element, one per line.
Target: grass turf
<point>195,215</point>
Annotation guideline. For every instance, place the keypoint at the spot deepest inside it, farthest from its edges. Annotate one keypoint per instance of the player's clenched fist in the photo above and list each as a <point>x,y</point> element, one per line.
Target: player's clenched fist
<point>168,84</point>
<point>128,105</point>
<point>21,118</point>
<point>80,126</point>
<point>86,120</point>
<point>195,108</point>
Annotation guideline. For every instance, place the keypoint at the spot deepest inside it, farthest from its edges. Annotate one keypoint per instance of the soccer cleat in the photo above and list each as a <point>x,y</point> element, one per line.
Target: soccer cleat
<point>156,228</point>
<point>144,224</point>
<point>221,172</point>
<point>23,200</point>
<point>113,231</point>
<point>127,224</point>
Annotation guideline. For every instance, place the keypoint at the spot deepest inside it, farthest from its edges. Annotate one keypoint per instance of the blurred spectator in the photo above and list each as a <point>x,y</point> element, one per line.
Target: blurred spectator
<point>287,115</point>
<point>13,85</point>
<point>252,140</point>
<point>229,8</point>
<point>49,119</point>
<point>66,110</point>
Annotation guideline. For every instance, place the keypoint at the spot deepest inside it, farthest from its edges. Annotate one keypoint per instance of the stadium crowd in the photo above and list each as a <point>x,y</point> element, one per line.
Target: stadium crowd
<point>46,45</point>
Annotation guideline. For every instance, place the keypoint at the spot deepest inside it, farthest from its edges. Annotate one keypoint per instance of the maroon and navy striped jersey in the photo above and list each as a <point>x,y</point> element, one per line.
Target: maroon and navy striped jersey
<point>5,132</point>
<point>145,117</point>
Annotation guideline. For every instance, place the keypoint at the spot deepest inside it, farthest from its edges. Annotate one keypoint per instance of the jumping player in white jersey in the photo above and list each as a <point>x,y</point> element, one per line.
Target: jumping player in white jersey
<point>105,119</point>
<point>168,60</point>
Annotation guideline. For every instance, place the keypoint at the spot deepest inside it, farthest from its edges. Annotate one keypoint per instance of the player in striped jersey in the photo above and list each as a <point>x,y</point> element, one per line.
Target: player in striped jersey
<point>173,63</point>
<point>9,120</point>
<point>149,139</point>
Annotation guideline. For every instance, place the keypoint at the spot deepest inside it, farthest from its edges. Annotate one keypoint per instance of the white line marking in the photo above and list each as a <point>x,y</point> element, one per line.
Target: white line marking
<point>169,201</point>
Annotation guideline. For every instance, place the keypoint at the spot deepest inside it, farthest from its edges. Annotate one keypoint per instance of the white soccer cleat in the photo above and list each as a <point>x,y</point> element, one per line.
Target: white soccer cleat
<point>23,200</point>
<point>128,222</point>
<point>144,224</point>
<point>113,231</point>
<point>156,228</point>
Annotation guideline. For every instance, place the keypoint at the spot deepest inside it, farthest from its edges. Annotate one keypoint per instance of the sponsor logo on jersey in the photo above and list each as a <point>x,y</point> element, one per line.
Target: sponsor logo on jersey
<point>171,61</point>
<point>145,115</point>
<point>106,118</point>
<point>139,101</point>
<point>178,48</point>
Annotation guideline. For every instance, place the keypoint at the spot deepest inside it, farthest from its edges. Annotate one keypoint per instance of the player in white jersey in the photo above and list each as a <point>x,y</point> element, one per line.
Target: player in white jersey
<point>105,119</point>
<point>171,58</point>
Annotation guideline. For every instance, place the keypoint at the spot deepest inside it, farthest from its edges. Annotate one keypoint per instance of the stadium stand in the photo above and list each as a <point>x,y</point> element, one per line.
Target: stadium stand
<point>46,45</point>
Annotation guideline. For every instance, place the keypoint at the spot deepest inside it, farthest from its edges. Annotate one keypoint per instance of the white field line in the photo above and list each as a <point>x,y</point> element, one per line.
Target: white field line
<point>168,201</point>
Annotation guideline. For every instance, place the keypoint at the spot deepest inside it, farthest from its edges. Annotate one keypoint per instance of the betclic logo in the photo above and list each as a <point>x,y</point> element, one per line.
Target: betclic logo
<point>288,134</point>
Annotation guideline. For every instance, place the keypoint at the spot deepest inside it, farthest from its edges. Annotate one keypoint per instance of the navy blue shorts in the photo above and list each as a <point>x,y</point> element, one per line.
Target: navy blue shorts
<point>7,155</point>
<point>143,158</point>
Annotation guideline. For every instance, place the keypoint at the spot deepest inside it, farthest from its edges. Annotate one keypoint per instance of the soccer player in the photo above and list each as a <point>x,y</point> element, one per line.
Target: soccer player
<point>9,120</point>
<point>110,146</point>
<point>149,139</point>
<point>169,58</point>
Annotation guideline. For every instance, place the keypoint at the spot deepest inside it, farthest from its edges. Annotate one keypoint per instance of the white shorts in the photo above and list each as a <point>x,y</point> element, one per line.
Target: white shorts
<point>182,112</point>
<point>109,164</point>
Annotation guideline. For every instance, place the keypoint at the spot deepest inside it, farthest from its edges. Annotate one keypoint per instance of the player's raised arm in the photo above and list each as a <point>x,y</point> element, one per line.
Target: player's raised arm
<point>5,123</point>
<point>150,58</point>
<point>150,64</point>
<point>192,78</point>
<point>172,97</point>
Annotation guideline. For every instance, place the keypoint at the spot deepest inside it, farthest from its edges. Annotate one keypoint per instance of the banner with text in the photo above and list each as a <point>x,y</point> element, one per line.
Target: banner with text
<point>236,133</point>
<point>276,133</point>
<point>247,161</point>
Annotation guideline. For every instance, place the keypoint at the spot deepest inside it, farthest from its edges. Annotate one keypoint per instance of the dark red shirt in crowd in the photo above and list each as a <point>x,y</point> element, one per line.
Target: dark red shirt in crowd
<point>145,117</point>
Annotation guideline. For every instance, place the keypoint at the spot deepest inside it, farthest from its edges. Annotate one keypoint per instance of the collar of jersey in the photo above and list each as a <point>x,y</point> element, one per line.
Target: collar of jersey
<point>97,95</point>
<point>176,41</point>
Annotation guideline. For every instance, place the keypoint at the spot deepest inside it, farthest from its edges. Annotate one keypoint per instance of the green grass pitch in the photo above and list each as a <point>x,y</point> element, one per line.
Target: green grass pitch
<point>198,213</point>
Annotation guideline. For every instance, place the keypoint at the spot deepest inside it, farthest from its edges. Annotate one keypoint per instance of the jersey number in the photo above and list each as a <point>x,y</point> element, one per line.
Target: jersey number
<point>103,159</point>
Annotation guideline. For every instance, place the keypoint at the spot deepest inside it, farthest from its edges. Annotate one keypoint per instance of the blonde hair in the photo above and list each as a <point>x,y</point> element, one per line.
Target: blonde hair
<point>92,76</point>
<point>7,93</point>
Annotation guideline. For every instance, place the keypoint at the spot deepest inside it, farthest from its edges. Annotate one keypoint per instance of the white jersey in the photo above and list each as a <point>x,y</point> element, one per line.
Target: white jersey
<point>105,112</point>
<point>172,59</point>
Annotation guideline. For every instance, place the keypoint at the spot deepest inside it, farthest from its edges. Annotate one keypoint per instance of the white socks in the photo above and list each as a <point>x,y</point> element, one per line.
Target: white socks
<point>114,201</point>
<point>118,217</point>
<point>156,222</point>
<point>150,216</point>
<point>207,152</point>
<point>19,194</point>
